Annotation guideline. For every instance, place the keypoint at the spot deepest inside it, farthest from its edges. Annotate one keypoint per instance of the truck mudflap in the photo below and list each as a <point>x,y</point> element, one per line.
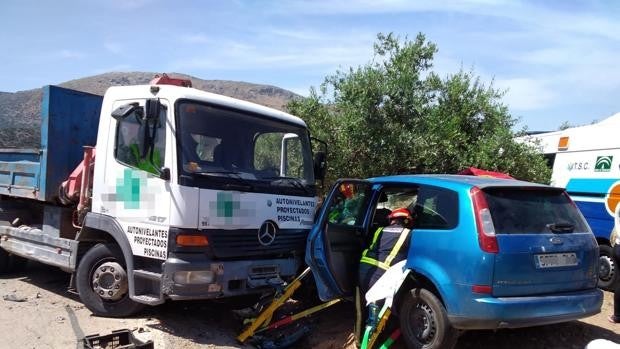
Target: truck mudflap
<point>190,276</point>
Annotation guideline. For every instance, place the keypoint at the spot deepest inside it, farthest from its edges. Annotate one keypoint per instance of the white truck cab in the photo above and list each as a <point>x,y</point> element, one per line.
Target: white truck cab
<point>194,195</point>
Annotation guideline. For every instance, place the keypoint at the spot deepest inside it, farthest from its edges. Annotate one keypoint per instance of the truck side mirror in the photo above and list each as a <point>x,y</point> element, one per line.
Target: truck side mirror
<point>320,165</point>
<point>125,110</point>
<point>164,173</point>
<point>153,107</point>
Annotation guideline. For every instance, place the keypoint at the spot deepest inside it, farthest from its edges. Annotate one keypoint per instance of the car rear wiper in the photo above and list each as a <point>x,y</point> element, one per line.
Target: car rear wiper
<point>296,182</point>
<point>232,174</point>
<point>561,227</point>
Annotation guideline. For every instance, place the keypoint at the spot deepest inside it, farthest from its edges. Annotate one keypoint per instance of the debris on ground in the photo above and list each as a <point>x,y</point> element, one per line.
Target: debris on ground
<point>14,298</point>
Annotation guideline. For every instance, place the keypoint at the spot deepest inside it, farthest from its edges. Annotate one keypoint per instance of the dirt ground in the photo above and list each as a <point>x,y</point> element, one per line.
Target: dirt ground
<point>36,311</point>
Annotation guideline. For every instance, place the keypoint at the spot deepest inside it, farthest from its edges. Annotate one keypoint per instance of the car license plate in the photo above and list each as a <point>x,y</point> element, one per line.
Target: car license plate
<point>552,260</point>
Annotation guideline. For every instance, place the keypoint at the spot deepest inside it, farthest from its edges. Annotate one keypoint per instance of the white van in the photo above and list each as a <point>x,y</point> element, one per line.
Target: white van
<point>586,161</point>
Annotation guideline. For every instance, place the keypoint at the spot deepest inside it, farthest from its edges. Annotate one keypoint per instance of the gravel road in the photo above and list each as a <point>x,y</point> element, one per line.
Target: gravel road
<point>38,312</point>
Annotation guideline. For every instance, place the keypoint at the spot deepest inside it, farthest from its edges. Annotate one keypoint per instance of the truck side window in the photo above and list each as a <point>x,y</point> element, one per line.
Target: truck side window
<point>279,154</point>
<point>267,153</point>
<point>131,141</point>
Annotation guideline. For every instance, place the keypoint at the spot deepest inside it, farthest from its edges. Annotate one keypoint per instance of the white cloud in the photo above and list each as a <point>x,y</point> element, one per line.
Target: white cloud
<point>526,94</point>
<point>297,34</point>
<point>316,50</point>
<point>328,7</point>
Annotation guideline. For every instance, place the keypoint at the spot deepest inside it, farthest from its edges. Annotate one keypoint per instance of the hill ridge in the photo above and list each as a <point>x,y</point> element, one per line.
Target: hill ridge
<point>20,111</point>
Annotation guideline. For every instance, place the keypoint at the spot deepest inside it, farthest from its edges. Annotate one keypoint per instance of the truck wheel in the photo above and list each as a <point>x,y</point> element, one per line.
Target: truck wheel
<point>18,263</point>
<point>608,268</point>
<point>101,282</point>
<point>424,321</point>
<point>5,262</point>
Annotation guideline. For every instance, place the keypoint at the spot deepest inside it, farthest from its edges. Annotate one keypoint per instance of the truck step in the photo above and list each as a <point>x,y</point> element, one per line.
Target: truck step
<point>149,299</point>
<point>145,274</point>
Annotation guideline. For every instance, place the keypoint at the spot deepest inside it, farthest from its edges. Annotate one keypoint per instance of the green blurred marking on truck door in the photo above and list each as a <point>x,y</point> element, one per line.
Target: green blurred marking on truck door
<point>128,189</point>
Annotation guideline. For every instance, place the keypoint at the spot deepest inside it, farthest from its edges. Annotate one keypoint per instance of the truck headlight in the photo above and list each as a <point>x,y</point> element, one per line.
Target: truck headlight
<point>193,277</point>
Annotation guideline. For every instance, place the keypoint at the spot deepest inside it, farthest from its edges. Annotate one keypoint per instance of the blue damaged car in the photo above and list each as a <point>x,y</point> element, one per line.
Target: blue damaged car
<point>484,253</point>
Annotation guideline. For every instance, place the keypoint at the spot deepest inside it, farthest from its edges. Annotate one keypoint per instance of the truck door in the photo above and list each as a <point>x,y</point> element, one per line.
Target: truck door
<point>335,242</point>
<point>133,191</point>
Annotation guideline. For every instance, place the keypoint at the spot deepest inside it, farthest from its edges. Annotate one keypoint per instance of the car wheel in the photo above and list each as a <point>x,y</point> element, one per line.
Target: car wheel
<point>424,321</point>
<point>102,282</point>
<point>608,268</point>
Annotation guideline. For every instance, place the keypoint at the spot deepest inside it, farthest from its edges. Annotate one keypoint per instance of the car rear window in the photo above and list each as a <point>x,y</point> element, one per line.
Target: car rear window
<point>533,211</point>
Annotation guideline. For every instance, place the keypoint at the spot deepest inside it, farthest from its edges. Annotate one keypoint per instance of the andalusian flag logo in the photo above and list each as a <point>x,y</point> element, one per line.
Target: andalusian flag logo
<point>603,163</point>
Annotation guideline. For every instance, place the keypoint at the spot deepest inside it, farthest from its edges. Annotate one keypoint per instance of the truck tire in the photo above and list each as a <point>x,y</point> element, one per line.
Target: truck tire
<point>608,268</point>
<point>102,282</point>
<point>5,262</point>
<point>18,263</point>
<point>424,321</point>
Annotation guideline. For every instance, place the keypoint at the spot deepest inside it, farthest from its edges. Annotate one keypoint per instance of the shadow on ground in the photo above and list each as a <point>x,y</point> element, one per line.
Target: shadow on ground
<point>212,323</point>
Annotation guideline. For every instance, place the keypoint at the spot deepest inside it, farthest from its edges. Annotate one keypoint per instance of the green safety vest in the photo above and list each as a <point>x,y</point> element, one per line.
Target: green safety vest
<point>385,265</point>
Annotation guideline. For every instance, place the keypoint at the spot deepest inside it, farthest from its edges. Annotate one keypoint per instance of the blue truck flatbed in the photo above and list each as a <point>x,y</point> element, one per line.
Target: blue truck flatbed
<point>69,121</point>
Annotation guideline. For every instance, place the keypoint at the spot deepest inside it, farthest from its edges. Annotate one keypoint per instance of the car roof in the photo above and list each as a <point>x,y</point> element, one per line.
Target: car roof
<point>455,181</point>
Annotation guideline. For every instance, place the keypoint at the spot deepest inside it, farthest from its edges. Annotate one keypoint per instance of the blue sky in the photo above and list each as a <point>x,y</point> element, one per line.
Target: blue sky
<point>558,60</point>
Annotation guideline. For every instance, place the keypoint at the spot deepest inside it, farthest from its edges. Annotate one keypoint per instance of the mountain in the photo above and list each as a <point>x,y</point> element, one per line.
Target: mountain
<point>20,112</point>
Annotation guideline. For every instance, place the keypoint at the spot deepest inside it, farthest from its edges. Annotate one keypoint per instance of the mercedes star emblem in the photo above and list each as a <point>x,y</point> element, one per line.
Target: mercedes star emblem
<point>267,233</point>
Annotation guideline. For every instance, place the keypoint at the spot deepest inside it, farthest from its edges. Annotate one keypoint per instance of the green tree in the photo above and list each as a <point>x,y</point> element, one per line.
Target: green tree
<point>564,125</point>
<point>395,115</point>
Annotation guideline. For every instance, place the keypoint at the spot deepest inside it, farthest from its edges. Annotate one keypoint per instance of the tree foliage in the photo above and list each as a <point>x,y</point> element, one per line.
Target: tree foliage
<point>395,115</point>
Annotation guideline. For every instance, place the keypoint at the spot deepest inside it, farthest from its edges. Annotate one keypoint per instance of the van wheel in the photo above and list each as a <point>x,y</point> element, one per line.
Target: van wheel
<point>101,282</point>
<point>608,268</point>
<point>424,321</point>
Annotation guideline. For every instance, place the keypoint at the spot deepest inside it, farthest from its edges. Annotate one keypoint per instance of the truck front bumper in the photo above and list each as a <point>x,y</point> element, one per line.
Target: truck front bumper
<point>191,276</point>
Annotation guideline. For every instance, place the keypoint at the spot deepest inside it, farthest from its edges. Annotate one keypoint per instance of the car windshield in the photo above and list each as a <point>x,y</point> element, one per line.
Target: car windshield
<point>533,211</point>
<point>247,148</point>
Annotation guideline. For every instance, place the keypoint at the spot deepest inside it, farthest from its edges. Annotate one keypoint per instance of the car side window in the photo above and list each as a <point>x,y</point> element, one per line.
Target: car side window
<point>390,199</point>
<point>348,204</point>
<point>131,141</point>
<point>436,208</point>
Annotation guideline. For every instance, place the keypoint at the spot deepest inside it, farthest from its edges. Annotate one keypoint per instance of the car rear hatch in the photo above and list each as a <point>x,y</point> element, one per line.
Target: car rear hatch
<point>545,246</point>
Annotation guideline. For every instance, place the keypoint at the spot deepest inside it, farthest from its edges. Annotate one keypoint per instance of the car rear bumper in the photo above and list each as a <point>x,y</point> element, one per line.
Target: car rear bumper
<point>514,312</point>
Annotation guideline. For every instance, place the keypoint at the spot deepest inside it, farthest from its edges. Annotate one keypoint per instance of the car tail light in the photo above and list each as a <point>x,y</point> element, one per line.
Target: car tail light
<point>485,289</point>
<point>484,222</point>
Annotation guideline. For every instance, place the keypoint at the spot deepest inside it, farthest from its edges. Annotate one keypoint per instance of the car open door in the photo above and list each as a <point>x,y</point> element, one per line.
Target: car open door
<point>334,244</point>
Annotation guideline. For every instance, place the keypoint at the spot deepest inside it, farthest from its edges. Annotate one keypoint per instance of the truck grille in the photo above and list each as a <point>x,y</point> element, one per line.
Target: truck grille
<point>244,243</point>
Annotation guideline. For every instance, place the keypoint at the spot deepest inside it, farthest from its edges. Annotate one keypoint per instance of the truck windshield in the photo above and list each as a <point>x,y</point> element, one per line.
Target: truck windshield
<point>223,148</point>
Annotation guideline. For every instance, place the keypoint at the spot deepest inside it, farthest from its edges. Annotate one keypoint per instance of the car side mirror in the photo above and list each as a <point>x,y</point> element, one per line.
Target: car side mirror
<point>320,165</point>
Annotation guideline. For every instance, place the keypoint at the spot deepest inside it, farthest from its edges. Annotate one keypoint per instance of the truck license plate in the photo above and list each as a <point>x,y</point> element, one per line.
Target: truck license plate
<point>552,260</point>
